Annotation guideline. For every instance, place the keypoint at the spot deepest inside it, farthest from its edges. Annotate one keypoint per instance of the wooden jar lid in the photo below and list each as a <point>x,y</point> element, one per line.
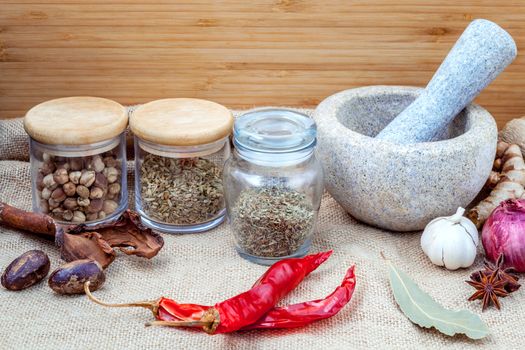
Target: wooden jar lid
<point>181,122</point>
<point>76,120</point>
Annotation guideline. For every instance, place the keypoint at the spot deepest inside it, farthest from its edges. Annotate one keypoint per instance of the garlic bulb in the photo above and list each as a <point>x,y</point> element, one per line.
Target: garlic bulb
<point>451,241</point>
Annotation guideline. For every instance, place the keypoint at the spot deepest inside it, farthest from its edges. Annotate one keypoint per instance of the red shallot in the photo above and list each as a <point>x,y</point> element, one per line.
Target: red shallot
<point>504,233</point>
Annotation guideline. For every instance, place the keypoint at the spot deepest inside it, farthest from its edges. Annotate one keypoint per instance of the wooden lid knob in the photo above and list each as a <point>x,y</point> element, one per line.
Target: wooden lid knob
<point>181,122</point>
<point>76,120</point>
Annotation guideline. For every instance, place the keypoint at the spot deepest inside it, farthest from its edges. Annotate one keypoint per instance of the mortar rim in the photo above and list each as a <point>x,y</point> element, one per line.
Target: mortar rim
<point>327,111</point>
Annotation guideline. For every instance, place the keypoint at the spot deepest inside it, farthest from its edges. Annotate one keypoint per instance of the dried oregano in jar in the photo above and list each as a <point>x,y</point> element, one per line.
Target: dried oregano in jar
<point>78,159</point>
<point>180,148</point>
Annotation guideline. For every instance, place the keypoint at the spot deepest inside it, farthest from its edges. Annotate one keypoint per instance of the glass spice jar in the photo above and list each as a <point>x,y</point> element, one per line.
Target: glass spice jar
<point>274,185</point>
<point>181,145</point>
<point>78,159</point>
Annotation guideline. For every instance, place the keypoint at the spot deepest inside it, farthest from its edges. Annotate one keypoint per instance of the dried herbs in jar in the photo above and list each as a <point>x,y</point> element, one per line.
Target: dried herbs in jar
<point>181,191</point>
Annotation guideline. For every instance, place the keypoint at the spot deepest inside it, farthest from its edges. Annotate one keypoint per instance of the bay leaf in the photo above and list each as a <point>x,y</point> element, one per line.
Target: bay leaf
<point>424,311</point>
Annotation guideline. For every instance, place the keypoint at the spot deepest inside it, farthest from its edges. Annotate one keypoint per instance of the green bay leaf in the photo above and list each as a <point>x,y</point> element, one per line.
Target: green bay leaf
<point>424,311</point>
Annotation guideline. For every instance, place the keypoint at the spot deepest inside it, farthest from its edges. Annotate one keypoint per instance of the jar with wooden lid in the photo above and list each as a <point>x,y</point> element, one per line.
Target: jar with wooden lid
<point>181,145</point>
<point>78,159</point>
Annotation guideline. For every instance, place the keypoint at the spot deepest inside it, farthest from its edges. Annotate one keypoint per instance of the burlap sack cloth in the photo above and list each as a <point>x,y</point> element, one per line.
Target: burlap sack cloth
<point>204,268</point>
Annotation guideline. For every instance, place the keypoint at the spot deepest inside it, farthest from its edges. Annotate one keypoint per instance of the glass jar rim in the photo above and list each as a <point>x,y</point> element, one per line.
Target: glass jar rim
<point>181,151</point>
<point>274,130</point>
<point>83,150</point>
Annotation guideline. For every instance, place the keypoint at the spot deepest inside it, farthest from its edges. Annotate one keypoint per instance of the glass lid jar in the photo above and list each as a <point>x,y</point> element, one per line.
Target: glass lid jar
<point>78,159</point>
<point>180,148</point>
<point>274,185</point>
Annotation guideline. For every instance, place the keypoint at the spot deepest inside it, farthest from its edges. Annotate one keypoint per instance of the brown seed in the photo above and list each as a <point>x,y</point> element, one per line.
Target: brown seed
<point>46,193</point>
<point>70,203</point>
<point>52,203</point>
<point>83,191</point>
<point>63,165</point>
<point>49,182</point>
<point>75,164</point>
<point>111,162</point>
<point>96,193</point>
<point>47,168</point>
<point>114,188</point>
<point>67,215</point>
<point>78,217</point>
<point>61,176</point>
<point>109,206</point>
<point>44,206</point>
<point>83,202</point>
<point>71,277</point>
<point>101,215</point>
<point>87,178</point>
<point>58,195</point>
<point>74,177</point>
<point>95,206</point>
<point>92,216</point>
<point>26,270</point>
<point>58,213</point>
<point>69,188</point>
<point>96,164</point>
<point>101,181</point>
<point>111,174</point>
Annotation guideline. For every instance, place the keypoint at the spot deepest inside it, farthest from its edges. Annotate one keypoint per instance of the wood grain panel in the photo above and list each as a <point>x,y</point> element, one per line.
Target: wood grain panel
<point>239,53</point>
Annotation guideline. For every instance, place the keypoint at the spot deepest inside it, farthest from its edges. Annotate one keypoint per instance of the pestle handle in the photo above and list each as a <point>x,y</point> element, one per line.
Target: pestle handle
<point>481,53</point>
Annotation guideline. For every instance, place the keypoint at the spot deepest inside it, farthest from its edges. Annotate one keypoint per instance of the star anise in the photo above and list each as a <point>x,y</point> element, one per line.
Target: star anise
<point>508,274</point>
<point>489,288</point>
<point>492,282</point>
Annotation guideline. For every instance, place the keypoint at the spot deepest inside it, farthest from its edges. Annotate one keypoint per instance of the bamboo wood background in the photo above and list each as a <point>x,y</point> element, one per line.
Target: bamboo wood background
<point>237,52</point>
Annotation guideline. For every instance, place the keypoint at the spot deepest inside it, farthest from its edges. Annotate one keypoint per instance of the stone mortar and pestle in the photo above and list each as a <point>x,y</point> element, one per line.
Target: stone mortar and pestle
<point>397,157</point>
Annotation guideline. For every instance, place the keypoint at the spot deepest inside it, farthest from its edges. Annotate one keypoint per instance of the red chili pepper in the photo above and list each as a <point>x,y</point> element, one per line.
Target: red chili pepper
<point>243,309</point>
<point>301,314</point>
<point>290,316</point>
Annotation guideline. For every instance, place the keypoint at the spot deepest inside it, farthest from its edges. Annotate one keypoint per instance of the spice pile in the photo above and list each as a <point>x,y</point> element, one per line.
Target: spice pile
<point>181,191</point>
<point>272,221</point>
<point>79,189</point>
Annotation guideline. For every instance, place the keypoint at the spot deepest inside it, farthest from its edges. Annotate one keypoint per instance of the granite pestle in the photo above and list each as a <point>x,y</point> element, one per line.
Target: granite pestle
<point>481,53</point>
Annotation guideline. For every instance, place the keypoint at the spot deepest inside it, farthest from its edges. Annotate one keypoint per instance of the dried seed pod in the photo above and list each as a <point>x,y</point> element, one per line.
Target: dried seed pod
<point>114,188</point>
<point>95,206</point>
<point>111,162</point>
<point>96,193</point>
<point>109,206</point>
<point>74,177</point>
<point>101,181</point>
<point>92,216</point>
<point>97,164</point>
<point>70,278</point>
<point>58,195</point>
<point>70,203</point>
<point>111,174</point>
<point>78,217</point>
<point>75,164</point>
<point>61,176</point>
<point>46,193</point>
<point>44,206</point>
<point>26,270</point>
<point>69,188</point>
<point>67,215</point>
<point>82,191</point>
<point>87,178</point>
<point>83,202</point>
<point>49,182</point>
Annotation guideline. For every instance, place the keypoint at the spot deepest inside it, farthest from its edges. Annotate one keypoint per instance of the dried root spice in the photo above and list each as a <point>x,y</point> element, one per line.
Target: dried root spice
<point>181,191</point>
<point>272,221</point>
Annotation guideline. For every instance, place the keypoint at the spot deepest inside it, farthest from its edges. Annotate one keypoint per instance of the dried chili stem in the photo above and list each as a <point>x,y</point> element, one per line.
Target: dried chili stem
<point>180,323</point>
<point>150,305</point>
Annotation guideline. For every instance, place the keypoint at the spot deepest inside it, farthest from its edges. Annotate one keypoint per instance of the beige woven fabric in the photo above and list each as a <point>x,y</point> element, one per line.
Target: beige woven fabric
<point>204,268</point>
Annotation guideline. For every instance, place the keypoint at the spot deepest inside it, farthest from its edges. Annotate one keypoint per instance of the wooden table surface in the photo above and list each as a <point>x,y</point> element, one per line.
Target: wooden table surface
<point>240,53</point>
